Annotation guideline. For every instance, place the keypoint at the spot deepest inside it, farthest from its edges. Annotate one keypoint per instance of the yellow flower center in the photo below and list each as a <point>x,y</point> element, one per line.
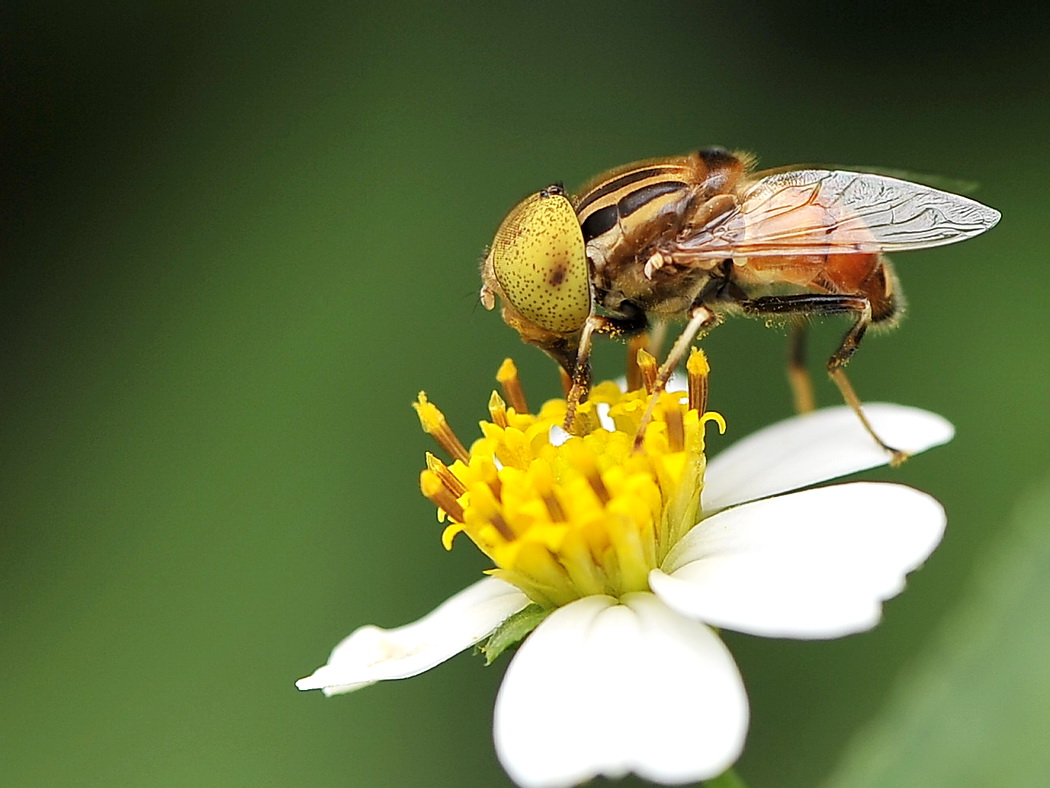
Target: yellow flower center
<point>566,516</point>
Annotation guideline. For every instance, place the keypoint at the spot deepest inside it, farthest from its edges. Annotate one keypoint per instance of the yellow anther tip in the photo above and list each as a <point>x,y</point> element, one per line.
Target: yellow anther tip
<point>508,370</point>
<point>430,418</point>
<point>697,363</point>
<point>430,483</point>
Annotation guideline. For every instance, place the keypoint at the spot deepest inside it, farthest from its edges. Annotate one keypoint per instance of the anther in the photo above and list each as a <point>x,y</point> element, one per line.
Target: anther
<point>489,508</point>
<point>507,377</point>
<point>636,344</point>
<point>675,429</point>
<point>544,483</point>
<point>697,369</point>
<point>498,410</point>
<point>434,424</point>
<point>448,478</point>
<point>501,525</point>
<point>581,458</point>
<point>490,475</point>
<point>433,487</point>
<point>647,368</point>
<point>595,480</point>
<point>553,507</point>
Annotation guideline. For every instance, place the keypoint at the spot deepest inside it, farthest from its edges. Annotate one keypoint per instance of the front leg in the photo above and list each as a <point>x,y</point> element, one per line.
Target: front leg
<point>630,321</point>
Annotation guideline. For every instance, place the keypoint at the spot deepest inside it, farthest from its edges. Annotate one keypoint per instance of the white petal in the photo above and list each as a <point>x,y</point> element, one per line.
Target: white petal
<point>603,688</point>
<point>813,564</point>
<point>815,447</point>
<point>371,654</point>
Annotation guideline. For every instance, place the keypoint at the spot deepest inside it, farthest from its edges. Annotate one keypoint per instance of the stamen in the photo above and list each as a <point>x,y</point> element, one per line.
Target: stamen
<point>637,343</point>
<point>434,424</point>
<point>544,481</point>
<point>498,410</point>
<point>675,420</point>
<point>490,475</point>
<point>433,487</point>
<point>553,507</point>
<point>647,368</point>
<point>697,369</point>
<point>501,525</point>
<point>486,505</point>
<point>581,458</point>
<point>507,376</point>
<point>448,478</point>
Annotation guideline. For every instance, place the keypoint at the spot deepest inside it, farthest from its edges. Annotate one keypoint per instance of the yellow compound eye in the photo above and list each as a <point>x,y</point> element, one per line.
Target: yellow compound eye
<point>540,261</point>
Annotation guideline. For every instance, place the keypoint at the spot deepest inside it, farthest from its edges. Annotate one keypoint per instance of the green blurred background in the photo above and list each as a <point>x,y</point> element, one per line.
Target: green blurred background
<point>238,239</point>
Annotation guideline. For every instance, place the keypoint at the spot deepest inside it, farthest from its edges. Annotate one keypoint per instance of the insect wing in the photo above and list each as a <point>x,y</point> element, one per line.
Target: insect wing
<point>815,211</point>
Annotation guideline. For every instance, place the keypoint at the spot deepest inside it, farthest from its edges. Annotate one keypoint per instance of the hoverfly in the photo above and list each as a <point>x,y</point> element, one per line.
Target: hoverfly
<point>701,236</point>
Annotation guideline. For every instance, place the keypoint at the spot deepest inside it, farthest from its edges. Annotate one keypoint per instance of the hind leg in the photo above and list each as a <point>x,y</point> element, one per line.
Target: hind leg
<point>798,373</point>
<point>825,304</point>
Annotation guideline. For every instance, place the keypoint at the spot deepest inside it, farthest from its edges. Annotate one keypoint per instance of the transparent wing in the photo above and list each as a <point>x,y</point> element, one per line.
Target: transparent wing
<point>826,211</point>
<point>934,180</point>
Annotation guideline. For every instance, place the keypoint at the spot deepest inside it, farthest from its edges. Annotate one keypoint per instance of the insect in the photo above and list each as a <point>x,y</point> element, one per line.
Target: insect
<point>701,236</point>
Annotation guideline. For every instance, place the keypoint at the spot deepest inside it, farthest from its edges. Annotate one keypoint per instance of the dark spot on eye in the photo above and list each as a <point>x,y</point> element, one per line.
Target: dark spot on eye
<point>558,274</point>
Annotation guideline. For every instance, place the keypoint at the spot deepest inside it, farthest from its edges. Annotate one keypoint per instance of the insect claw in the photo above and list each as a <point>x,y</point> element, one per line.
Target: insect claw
<point>898,457</point>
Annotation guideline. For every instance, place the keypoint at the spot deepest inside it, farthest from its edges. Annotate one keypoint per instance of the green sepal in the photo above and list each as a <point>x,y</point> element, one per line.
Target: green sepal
<point>512,630</point>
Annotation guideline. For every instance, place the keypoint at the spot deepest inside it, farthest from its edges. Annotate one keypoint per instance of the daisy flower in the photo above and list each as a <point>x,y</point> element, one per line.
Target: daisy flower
<point>618,559</point>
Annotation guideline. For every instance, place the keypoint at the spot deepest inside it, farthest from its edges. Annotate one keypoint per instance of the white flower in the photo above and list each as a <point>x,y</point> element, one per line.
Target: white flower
<point>638,680</point>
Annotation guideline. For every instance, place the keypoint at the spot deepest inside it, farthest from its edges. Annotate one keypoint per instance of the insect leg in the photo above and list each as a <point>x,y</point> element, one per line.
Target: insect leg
<point>581,373</point>
<point>831,304</point>
<point>700,317</point>
<point>633,321</point>
<point>798,373</point>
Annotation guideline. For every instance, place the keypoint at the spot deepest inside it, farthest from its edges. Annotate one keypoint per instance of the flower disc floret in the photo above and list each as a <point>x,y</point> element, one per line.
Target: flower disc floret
<point>561,515</point>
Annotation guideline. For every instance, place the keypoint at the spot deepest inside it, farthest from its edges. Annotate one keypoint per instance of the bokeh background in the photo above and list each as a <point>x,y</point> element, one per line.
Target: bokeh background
<point>238,238</point>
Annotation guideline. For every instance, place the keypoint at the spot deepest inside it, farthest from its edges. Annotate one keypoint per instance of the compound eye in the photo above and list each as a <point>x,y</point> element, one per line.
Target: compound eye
<point>540,261</point>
